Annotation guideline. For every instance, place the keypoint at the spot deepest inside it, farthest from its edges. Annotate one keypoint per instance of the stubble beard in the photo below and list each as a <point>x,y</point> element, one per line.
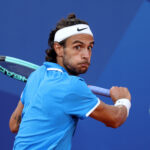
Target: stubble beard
<point>73,70</point>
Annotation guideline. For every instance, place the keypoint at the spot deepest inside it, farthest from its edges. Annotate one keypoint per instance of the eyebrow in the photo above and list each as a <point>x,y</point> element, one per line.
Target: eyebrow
<point>77,41</point>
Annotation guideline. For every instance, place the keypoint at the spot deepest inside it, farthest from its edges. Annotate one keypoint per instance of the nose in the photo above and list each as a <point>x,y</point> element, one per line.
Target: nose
<point>86,54</point>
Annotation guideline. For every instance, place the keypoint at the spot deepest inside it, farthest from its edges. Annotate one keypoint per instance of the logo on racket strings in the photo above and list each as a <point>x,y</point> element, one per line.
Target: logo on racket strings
<point>13,75</point>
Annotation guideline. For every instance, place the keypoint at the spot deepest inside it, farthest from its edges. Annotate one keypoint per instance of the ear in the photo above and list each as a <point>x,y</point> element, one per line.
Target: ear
<point>58,49</point>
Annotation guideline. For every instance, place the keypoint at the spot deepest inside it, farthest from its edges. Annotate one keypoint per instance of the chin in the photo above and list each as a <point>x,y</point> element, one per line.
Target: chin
<point>82,71</point>
<point>77,71</point>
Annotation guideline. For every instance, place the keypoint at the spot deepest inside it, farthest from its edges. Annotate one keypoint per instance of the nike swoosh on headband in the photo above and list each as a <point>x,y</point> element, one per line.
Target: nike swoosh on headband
<point>81,29</point>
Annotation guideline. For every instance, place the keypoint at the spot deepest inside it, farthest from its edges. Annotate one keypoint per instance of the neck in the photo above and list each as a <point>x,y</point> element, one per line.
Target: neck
<point>60,62</point>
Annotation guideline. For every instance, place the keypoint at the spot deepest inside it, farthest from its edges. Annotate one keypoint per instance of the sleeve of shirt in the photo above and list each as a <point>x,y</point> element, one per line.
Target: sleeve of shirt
<point>80,101</point>
<point>22,97</point>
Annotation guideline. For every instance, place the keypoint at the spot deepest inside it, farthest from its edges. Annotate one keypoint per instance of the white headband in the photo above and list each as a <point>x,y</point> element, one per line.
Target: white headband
<point>66,32</point>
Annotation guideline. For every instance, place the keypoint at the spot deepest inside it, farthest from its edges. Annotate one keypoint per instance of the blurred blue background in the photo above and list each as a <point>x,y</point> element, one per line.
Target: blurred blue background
<point>120,57</point>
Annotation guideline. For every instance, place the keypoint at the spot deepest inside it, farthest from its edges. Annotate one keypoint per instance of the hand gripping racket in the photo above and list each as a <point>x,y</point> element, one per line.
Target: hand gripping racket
<point>20,70</point>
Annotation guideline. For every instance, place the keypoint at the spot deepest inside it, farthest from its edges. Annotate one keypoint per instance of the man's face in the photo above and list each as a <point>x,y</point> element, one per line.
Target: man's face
<point>77,53</point>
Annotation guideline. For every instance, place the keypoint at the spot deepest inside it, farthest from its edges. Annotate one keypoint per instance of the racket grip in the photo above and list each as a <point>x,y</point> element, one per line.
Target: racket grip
<point>99,90</point>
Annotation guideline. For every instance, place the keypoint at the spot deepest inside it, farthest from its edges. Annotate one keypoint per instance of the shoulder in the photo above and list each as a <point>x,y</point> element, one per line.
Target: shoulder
<point>37,72</point>
<point>77,81</point>
<point>78,85</point>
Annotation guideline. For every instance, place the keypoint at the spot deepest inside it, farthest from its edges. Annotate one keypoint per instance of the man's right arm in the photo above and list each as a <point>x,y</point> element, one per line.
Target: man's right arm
<point>112,116</point>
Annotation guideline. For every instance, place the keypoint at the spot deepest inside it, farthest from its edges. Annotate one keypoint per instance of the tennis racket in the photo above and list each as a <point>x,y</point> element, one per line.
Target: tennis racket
<point>20,70</point>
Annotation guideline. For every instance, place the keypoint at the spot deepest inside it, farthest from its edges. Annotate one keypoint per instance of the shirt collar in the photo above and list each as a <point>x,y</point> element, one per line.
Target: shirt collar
<point>57,67</point>
<point>54,66</point>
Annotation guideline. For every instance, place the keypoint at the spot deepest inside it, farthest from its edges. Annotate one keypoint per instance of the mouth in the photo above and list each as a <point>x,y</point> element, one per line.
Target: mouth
<point>84,65</point>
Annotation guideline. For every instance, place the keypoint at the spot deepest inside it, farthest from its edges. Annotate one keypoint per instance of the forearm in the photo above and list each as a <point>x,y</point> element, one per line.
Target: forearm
<point>15,118</point>
<point>112,116</point>
<point>14,122</point>
<point>115,115</point>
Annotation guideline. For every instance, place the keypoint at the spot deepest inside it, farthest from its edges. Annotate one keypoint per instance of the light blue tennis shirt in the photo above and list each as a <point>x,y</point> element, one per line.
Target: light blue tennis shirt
<point>53,102</point>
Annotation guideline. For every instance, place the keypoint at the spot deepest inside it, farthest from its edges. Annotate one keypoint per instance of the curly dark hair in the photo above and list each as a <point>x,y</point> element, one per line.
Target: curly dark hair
<point>69,21</point>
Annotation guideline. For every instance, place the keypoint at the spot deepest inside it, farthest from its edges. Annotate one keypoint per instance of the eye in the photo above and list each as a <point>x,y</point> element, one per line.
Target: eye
<point>77,47</point>
<point>90,47</point>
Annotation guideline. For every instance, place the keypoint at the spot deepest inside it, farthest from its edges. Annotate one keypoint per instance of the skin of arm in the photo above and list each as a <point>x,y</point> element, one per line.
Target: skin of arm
<point>112,116</point>
<point>15,118</point>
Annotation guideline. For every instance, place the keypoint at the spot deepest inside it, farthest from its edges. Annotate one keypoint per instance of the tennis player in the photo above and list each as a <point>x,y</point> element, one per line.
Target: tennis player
<point>55,97</point>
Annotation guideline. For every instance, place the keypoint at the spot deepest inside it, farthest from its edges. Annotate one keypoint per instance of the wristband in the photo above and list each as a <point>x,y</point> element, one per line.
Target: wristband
<point>125,102</point>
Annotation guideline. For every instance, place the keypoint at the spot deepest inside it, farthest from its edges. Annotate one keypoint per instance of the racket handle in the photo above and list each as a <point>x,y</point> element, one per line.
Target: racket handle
<point>99,90</point>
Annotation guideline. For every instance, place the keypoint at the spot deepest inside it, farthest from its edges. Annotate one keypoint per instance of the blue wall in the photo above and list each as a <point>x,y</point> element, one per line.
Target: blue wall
<point>120,57</point>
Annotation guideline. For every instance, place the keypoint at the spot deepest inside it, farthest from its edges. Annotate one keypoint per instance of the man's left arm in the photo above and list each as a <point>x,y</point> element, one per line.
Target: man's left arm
<point>15,118</point>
